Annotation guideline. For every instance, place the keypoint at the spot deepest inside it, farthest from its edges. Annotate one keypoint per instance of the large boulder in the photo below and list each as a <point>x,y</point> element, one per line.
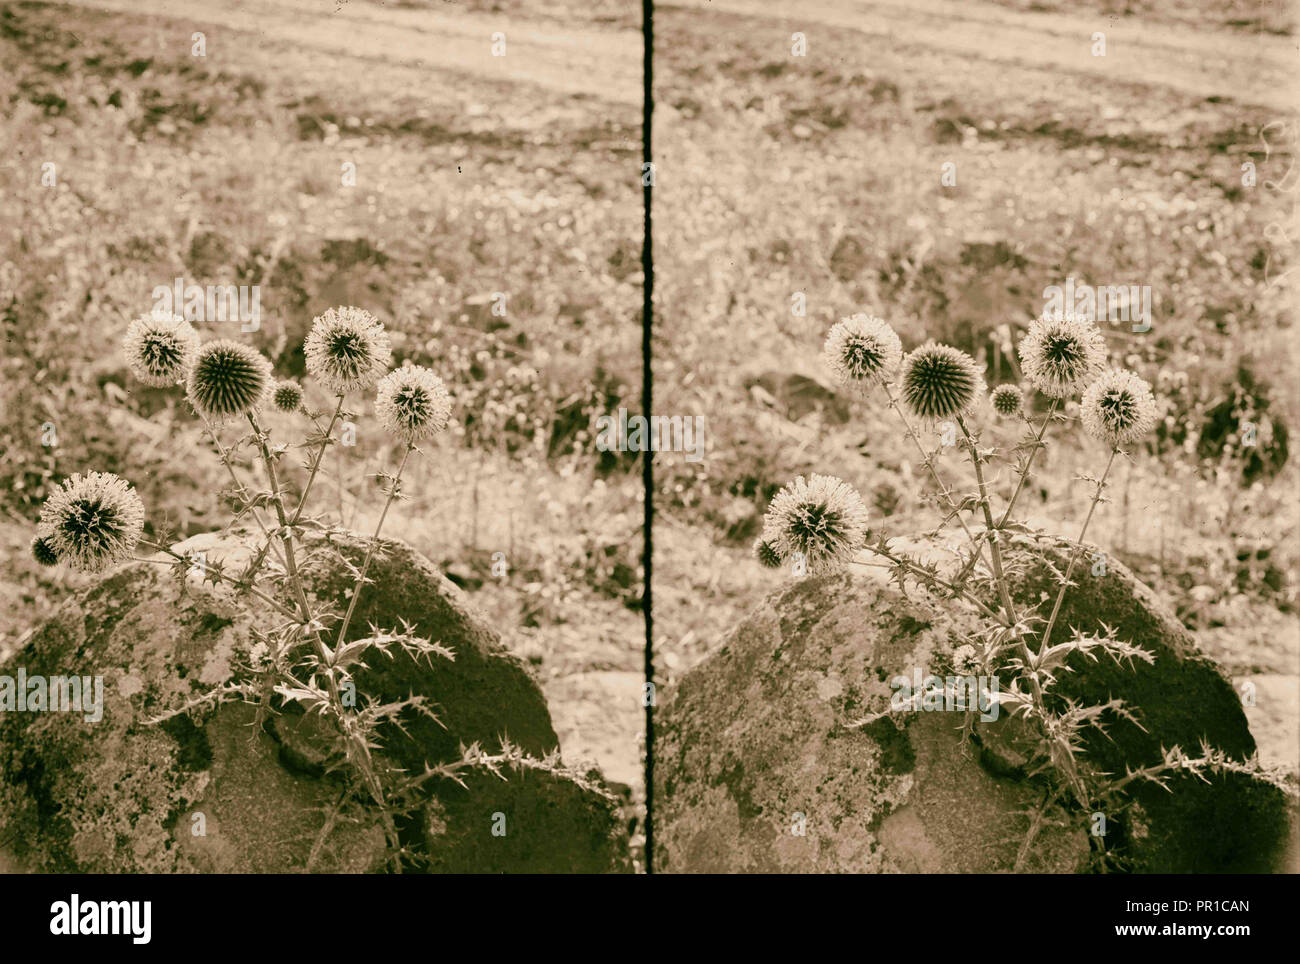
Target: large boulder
<point>760,768</point>
<point>1183,698</point>
<point>217,792</point>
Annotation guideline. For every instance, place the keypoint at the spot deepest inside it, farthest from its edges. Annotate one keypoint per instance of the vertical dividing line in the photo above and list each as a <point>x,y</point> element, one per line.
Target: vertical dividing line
<point>647,386</point>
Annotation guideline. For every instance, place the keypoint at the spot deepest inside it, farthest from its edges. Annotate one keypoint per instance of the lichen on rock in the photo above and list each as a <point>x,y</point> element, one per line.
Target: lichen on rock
<point>215,791</point>
<point>761,766</point>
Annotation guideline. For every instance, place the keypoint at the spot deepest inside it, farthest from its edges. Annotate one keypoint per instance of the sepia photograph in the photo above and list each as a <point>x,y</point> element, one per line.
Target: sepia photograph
<point>310,562</point>
<point>680,439</point>
<point>989,564</point>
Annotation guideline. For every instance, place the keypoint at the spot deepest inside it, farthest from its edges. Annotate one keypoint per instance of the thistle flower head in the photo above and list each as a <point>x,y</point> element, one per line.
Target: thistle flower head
<point>412,403</point>
<point>938,382</point>
<point>1062,354</point>
<point>228,379</point>
<point>1118,408</point>
<point>862,351</point>
<point>92,521</point>
<point>347,349</point>
<point>766,553</point>
<point>43,551</point>
<point>160,349</point>
<point>823,518</point>
<point>287,396</point>
<point>1007,400</point>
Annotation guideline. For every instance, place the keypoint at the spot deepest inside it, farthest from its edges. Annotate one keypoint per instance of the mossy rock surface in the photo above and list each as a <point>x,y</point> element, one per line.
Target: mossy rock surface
<point>123,796</point>
<point>529,817</point>
<point>1184,696</point>
<point>752,747</point>
<point>484,695</point>
<point>1232,824</point>
<point>758,734</point>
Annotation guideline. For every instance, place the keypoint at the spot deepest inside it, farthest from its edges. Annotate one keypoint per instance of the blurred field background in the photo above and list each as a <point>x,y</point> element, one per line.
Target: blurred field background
<point>475,174</point>
<point>779,174</point>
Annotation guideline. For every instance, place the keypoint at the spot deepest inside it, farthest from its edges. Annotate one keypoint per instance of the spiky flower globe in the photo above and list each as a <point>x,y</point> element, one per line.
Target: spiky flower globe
<point>766,553</point>
<point>1118,408</point>
<point>1007,400</point>
<point>228,379</point>
<point>43,551</point>
<point>862,351</point>
<point>1062,355</point>
<point>822,518</point>
<point>160,349</point>
<point>347,350</point>
<point>287,396</point>
<point>92,521</point>
<point>940,382</point>
<point>412,403</point>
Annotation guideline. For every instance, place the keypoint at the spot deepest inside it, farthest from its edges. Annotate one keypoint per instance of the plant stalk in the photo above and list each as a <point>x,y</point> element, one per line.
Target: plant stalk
<point>240,488</point>
<point>1077,551</point>
<point>1038,444</point>
<point>370,551</point>
<point>934,473</point>
<point>316,461</point>
<point>359,749</point>
<point>279,607</point>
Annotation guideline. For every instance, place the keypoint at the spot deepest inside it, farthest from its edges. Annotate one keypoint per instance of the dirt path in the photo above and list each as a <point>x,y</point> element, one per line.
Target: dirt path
<point>1259,69</point>
<point>604,63</point>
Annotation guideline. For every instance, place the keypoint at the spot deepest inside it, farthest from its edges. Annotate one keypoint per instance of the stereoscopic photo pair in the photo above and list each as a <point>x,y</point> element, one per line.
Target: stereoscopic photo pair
<point>727,437</point>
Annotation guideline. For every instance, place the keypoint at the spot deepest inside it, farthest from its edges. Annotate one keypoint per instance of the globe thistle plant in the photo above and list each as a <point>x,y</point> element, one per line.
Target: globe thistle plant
<point>1118,408</point>
<point>44,552</point>
<point>1061,355</point>
<point>822,518</point>
<point>1007,400</point>
<point>95,520</point>
<point>940,382</point>
<point>160,349</point>
<point>766,553</point>
<point>822,522</point>
<point>287,396</point>
<point>862,351</point>
<point>412,403</point>
<point>91,521</point>
<point>228,379</point>
<point>347,349</point>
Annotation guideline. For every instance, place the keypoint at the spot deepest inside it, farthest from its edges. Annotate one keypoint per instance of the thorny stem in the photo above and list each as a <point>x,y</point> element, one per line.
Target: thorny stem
<point>1035,824</point>
<point>995,554</point>
<point>1038,444</point>
<point>995,549</point>
<point>923,576</point>
<point>338,475</point>
<point>359,749</point>
<point>1077,551</point>
<point>317,460</point>
<point>929,463</point>
<point>240,488</point>
<point>286,534</point>
<point>370,551</point>
<point>279,607</point>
